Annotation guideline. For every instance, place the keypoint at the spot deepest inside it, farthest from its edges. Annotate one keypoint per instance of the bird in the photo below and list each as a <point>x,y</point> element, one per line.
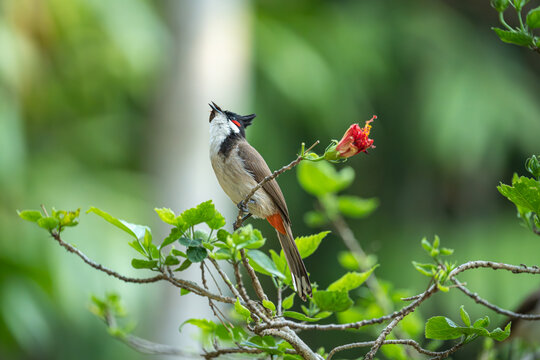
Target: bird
<point>239,168</point>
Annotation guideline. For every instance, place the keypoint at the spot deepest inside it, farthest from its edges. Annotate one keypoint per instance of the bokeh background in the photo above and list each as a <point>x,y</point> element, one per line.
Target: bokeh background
<point>104,103</point>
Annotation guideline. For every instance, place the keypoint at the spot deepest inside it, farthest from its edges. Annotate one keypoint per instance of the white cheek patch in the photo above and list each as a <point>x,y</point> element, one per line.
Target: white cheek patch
<point>234,127</point>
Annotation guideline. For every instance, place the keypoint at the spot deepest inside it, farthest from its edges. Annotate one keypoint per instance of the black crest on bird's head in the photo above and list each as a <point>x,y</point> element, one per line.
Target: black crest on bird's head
<point>240,122</point>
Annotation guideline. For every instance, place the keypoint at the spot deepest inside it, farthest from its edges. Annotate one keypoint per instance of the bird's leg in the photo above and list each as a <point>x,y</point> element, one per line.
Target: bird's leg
<point>242,206</point>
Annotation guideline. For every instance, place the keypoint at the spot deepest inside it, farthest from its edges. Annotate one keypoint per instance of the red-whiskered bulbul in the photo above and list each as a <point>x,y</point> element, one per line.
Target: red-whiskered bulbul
<point>239,168</point>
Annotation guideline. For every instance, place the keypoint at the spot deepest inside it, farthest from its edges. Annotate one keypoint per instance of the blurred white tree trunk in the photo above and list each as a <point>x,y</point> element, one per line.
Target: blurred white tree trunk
<point>212,63</point>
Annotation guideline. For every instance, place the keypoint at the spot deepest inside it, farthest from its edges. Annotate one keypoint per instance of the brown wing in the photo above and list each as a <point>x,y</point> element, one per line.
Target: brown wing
<point>255,164</point>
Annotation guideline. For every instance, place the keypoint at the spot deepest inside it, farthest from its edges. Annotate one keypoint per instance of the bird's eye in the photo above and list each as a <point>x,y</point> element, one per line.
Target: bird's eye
<point>236,123</point>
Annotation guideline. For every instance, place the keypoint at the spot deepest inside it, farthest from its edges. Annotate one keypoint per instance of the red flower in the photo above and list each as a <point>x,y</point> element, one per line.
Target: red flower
<point>355,140</point>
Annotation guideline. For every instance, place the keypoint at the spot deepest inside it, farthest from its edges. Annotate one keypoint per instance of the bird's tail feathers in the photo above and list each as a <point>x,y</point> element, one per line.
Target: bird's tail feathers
<point>298,270</point>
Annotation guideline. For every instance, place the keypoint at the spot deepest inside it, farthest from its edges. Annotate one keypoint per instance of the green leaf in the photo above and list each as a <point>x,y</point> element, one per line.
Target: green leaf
<point>356,207</point>
<point>299,316</point>
<point>48,223</point>
<point>30,215</point>
<point>351,280</point>
<point>499,334</point>
<point>242,310</point>
<point>500,5</point>
<point>262,264</point>
<point>315,219</point>
<point>196,254</point>
<point>174,235</point>
<point>320,178</point>
<point>524,192</point>
<point>184,265</point>
<point>288,302</point>
<point>190,242</point>
<point>184,292</point>
<point>137,231</point>
<point>204,212</point>
<point>442,328</point>
<point>425,269</point>
<point>167,216</point>
<point>144,264</point>
<point>247,237</point>
<point>171,260</point>
<point>222,254</point>
<point>217,222</point>
<point>334,301</point>
<point>269,305</point>
<point>446,251</point>
<point>464,316</point>
<point>426,245</point>
<point>514,37</point>
<point>222,235</point>
<point>203,324</point>
<point>308,244</point>
<point>68,218</point>
<point>533,163</point>
<point>533,18</point>
<point>138,247</point>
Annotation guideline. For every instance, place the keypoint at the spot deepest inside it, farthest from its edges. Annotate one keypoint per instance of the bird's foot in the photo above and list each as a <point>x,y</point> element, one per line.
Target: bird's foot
<point>242,206</point>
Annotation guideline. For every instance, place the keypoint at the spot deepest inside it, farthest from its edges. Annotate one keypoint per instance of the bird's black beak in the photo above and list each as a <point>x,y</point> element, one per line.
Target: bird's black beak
<point>215,107</point>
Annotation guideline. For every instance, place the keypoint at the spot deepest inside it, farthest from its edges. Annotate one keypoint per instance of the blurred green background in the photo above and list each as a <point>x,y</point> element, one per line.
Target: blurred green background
<point>81,86</point>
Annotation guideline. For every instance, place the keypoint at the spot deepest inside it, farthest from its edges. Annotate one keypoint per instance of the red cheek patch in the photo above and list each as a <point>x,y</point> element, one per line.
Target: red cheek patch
<point>236,123</point>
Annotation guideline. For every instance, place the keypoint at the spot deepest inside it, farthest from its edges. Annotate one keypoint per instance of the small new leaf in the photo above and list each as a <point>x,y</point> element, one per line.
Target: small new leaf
<point>48,223</point>
<point>514,37</point>
<point>30,215</point>
<point>144,264</point>
<point>464,316</point>
<point>242,310</point>
<point>299,316</point>
<point>137,231</point>
<point>288,302</point>
<point>351,280</point>
<point>167,216</point>
<point>269,305</point>
<point>308,244</point>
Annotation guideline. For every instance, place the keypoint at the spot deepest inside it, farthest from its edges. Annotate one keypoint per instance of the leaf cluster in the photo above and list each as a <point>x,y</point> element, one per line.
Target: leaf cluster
<point>521,35</point>
<point>525,194</point>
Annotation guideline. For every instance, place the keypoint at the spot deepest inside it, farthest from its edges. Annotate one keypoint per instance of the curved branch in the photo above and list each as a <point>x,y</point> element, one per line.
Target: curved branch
<point>70,248</point>
<point>493,307</point>
<point>408,342</point>
<point>183,284</point>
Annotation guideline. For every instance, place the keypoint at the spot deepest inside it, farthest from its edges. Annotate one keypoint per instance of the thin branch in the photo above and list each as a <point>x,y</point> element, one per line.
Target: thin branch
<point>408,342</point>
<point>254,279</point>
<point>275,174</point>
<point>213,278</point>
<point>217,313</point>
<point>298,344</point>
<point>382,337</point>
<point>194,288</point>
<point>495,308</point>
<point>70,248</point>
<point>239,350</point>
<point>279,300</point>
<point>145,346</point>
<point>522,269</point>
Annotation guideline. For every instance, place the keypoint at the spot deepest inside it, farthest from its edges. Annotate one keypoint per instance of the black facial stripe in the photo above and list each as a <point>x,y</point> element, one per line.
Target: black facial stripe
<point>228,144</point>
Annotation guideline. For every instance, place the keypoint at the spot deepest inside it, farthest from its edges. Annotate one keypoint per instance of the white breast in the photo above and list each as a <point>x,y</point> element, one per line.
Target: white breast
<point>237,182</point>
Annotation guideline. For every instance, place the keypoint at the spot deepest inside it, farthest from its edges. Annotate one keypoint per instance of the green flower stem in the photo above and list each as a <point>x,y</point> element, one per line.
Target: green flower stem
<point>501,19</point>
